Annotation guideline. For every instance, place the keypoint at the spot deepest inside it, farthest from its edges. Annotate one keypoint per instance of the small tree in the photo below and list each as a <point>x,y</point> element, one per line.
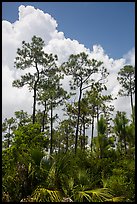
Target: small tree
<point>97,104</point>
<point>22,118</point>
<point>65,135</point>
<point>32,55</point>
<point>101,142</point>
<point>120,123</point>
<point>126,77</point>
<point>81,68</point>
<point>51,95</point>
<point>7,128</point>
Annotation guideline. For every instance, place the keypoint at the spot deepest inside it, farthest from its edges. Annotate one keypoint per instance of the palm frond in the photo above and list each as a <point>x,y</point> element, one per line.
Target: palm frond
<point>101,194</point>
<point>95,195</point>
<point>117,199</point>
<point>51,176</point>
<point>46,195</point>
<point>82,195</point>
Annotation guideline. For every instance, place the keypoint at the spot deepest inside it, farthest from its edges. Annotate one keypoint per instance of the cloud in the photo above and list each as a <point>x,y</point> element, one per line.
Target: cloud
<point>31,22</point>
<point>130,57</point>
<point>13,99</point>
<point>35,22</point>
<point>64,47</point>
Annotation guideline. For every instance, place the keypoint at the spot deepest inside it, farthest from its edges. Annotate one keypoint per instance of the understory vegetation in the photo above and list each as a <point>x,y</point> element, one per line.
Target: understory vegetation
<point>86,155</point>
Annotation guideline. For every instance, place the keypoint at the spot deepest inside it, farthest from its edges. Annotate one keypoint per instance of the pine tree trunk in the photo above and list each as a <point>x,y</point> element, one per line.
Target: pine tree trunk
<point>84,135</point>
<point>35,93</point>
<point>97,118</point>
<point>92,132</point>
<point>51,125</point>
<point>131,98</point>
<point>77,127</point>
<point>34,105</point>
<point>43,120</point>
<point>80,138</point>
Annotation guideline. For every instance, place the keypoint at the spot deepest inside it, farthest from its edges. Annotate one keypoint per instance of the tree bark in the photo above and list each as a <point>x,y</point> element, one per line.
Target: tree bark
<point>92,132</point>
<point>80,138</point>
<point>34,104</point>
<point>35,93</point>
<point>131,98</point>
<point>51,125</point>
<point>43,120</point>
<point>77,127</point>
<point>97,118</point>
<point>84,135</point>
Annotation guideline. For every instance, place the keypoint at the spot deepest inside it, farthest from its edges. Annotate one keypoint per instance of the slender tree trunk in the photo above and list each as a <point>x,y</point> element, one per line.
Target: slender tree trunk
<point>77,127</point>
<point>34,104</point>
<point>84,135</point>
<point>51,125</point>
<point>43,119</point>
<point>97,117</point>
<point>92,132</point>
<point>80,138</point>
<point>35,93</point>
<point>131,99</point>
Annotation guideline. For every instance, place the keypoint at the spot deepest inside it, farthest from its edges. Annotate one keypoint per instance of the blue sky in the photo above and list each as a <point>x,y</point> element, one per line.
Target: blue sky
<point>112,25</point>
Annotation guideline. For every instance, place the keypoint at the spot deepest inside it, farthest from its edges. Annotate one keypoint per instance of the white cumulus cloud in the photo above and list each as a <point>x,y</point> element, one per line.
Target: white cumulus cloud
<point>130,57</point>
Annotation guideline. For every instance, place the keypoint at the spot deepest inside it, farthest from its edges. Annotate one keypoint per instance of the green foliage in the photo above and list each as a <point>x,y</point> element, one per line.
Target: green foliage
<point>8,126</point>
<point>124,132</point>
<point>22,118</point>
<point>122,182</point>
<point>30,135</point>
<point>126,77</point>
<point>97,195</point>
<point>102,125</point>
<point>33,56</point>
<point>81,68</point>
<point>71,172</point>
<point>36,156</point>
<point>46,195</point>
